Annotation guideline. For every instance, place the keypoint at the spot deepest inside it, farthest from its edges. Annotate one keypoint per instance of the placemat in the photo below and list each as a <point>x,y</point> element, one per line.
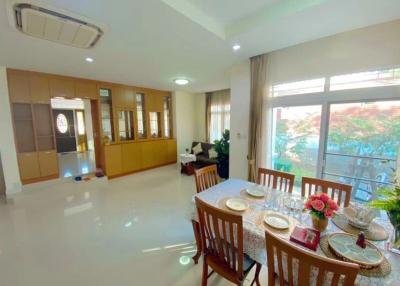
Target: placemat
<point>380,271</point>
<point>283,233</point>
<point>222,205</point>
<point>375,231</point>
<point>247,196</point>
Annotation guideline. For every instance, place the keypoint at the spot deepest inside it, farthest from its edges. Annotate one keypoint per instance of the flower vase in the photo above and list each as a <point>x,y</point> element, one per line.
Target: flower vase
<point>319,223</point>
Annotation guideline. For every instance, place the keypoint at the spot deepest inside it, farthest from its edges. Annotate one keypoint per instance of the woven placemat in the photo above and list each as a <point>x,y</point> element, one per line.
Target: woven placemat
<point>285,233</point>
<point>375,231</point>
<point>380,271</point>
<point>222,205</point>
<point>243,193</point>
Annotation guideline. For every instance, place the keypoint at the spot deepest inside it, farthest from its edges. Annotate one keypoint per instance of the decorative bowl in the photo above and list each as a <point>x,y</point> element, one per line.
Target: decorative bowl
<point>359,216</point>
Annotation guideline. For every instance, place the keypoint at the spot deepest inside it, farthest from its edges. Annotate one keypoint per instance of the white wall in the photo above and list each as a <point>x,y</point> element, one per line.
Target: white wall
<point>7,145</point>
<point>189,123</point>
<point>358,50</point>
<point>240,110</point>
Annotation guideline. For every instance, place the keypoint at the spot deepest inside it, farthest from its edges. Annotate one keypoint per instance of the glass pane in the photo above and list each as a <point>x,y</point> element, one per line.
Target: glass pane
<point>362,145</point>
<point>126,130</point>
<point>299,87</point>
<point>220,120</point>
<point>81,123</point>
<point>366,79</point>
<point>106,115</point>
<point>296,140</point>
<point>140,115</point>
<point>167,117</point>
<point>155,124</point>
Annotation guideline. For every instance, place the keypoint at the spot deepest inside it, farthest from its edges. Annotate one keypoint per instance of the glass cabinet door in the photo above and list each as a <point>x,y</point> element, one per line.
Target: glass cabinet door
<point>125,127</point>
<point>141,118</point>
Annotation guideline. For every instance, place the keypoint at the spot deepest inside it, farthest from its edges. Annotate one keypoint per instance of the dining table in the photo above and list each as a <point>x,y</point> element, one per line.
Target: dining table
<point>254,228</point>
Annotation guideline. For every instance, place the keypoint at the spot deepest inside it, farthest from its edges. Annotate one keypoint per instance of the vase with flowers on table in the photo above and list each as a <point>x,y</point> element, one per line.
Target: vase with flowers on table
<point>321,208</point>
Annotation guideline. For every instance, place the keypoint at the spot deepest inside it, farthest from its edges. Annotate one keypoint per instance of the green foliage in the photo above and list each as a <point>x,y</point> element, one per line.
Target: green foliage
<point>222,146</point>
<point>389,200</point>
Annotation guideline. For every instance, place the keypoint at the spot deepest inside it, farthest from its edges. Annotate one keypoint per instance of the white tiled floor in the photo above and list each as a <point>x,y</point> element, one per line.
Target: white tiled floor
<point>76,163</point>
<point>130,231</point>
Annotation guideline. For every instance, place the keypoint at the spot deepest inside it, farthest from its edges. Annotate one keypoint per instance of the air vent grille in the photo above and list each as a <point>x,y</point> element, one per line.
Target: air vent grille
<point>53,26</point>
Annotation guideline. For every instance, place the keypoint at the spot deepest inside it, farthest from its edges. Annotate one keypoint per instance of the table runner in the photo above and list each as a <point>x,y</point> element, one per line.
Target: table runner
<point>254,236</point>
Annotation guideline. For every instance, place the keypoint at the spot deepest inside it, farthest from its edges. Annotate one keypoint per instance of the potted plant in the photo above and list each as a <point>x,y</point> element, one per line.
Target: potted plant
<point>222,148</point>
<point>321,207</point>
<point>389,201</point>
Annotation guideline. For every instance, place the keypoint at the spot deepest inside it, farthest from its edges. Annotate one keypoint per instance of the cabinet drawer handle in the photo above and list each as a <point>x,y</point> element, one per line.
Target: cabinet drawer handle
<point>48,152</point>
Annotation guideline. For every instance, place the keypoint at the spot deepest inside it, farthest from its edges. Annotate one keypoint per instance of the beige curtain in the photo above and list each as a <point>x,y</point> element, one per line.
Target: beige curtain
<point>258,92</point>
<point>218,113</point>
<point>208,115</point>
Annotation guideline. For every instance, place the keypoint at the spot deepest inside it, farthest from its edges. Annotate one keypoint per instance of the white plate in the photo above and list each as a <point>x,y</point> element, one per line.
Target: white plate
<point>237,204</point>
<point>277,221</point>
<point>256,191</point>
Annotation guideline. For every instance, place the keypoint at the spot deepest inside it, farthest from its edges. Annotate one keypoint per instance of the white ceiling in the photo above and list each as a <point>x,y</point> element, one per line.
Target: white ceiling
<point>151,42</point>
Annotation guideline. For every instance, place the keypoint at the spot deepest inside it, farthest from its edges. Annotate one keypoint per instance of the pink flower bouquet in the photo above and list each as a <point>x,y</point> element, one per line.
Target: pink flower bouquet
<point>321,205</point>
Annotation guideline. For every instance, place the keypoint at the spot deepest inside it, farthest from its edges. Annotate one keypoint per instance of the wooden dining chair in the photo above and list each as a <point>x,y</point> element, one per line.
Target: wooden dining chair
<point>205,178</point>
<point>341,193</point>
<point>222,239</point>
<point>286,253</point>
<point>276,179</point>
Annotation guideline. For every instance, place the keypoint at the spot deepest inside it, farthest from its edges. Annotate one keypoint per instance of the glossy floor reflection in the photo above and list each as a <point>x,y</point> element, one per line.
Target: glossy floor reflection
<point>129,231</point>
<point>76,163</point>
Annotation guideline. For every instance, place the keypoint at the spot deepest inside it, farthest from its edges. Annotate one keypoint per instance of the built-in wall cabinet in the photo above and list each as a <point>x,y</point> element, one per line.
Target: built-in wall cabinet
<point>132,125</point>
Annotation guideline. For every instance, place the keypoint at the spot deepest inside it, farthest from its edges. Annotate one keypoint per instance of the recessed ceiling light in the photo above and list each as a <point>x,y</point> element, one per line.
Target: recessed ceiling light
<point>181,81</point>
<point>89,60</point>
<point>236,47</point>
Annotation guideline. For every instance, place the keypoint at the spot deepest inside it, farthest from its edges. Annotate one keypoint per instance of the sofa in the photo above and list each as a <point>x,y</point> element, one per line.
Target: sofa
<point>202,159</point>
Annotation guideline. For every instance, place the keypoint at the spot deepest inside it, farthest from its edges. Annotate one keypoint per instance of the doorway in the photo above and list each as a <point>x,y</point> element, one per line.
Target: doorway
<point>74,136</point>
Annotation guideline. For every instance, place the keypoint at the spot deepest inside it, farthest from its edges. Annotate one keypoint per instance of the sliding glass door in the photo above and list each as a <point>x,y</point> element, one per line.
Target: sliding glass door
<point>296,133</point>
<point>361,145</point>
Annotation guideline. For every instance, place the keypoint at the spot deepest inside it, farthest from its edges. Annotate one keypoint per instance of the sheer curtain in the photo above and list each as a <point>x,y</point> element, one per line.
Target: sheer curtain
<point>258,114</point>
<point>218,113</point>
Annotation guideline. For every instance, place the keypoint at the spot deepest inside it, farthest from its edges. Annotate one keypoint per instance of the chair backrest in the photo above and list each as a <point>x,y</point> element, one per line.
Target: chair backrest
<point>276,179</point>
<point>285,251</point>
<point>222,237</point>
<point>341,193</point>
<point>206,178</point>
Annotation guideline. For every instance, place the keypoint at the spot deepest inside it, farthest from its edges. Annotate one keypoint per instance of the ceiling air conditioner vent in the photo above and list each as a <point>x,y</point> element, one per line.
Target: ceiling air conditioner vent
<point>53,26</point>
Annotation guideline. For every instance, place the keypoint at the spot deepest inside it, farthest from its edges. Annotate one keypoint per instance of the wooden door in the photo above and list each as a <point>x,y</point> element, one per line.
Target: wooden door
<point>28,166</point>
<point>131,157</point>
<point>113,158</point>
<point>64,130</point>
<point>48,163</point>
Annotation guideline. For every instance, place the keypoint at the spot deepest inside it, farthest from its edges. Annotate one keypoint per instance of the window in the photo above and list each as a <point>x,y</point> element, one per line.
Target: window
<point>141,115</point>
<point>155,124</point>
<point>62,123</point>
<point>107,114</point>
<point>167,116</point>
<point>385,77</point>
<point>126,130</point>
<point>81,122</point>
<point>299,87</point>
<point>218,113</point>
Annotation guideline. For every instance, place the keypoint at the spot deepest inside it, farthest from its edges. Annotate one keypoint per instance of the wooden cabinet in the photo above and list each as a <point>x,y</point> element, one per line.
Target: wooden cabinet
<point>154,102</point>
<point>113,159</point>
<point>131,157</point>
<point>28,166</point>
<point>86,89</point>
<point>48,163</point>
<point>123,97</point>
<point>45,139</point>
<point>18,86</point>
<point>39,88</point>
<point>171,150</point>
<point>62,87</point>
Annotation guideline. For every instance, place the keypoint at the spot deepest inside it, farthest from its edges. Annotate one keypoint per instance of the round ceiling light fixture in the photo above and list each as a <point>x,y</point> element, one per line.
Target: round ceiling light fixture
<point>236,47</point>
<point>89,60</point>
<point>181,81</point>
